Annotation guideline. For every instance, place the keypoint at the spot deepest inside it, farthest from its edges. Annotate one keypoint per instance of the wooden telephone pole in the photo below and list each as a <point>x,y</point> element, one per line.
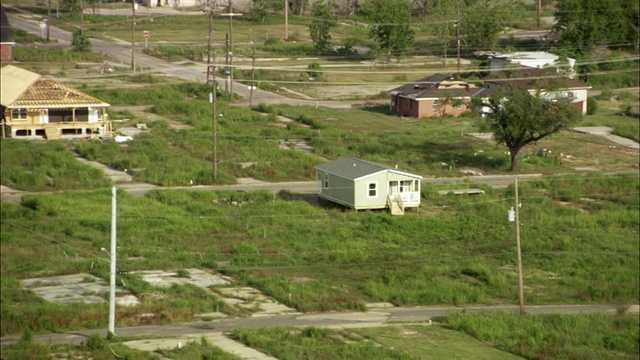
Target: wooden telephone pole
<point>539,13</point>
<point>133,30</point>
<point>520,280</point>
<point>211,78</point>
<point>458,41</point>
<point>230,14</point>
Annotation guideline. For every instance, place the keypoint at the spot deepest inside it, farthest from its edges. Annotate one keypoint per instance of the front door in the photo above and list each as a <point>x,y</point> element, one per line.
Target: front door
<point>394,189</point>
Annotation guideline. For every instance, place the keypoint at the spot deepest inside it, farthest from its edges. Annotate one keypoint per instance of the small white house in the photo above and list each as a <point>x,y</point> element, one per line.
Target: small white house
<point>361,184</point>
<point>530,59</point>
<point>174,3</point>
<point>548,84</point>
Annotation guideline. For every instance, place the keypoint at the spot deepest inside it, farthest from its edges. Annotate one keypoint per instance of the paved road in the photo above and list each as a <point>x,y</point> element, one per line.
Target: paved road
<point>195,72</point>
<point>294,187</point>
<point>375,317</point>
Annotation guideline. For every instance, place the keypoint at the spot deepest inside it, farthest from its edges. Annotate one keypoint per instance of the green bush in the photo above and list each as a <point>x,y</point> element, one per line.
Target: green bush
<point>96,342</point>
<point>605,95</point>
<point>81,41</point>
<point>592,105</point>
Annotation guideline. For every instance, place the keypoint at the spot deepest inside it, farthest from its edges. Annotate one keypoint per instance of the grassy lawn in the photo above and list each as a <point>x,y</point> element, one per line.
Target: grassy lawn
<point>46,166</point>
<point>97,347</point>
<point>315,343</point>
<point>432,342</point>
<point>418,145</point>
<point>452,250</point>
<point>559,336</point>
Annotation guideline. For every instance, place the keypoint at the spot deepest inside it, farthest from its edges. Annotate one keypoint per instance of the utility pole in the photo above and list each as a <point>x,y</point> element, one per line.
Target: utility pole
<point>458,40</point>
<point>48,18</point>
<point>539,13</point>
<point>286,20</point>
<point>209,74</point>
<point>253,74</point>
<point>82,16</point>
<point>520,281</point>
<point>112,271</point>
<point>214,120</point>
<point>230,14</point>
<point>134,5</point>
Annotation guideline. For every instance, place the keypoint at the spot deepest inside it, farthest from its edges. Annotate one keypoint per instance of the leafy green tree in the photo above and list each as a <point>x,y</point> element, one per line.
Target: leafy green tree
<point>72,5</point>
<point>389,24</point>
<point>585,24</point>
<point>322,22</point>
<point>479,21</point>
<point>262,8</point>
<point>81,41</point>
<point>517,118</point>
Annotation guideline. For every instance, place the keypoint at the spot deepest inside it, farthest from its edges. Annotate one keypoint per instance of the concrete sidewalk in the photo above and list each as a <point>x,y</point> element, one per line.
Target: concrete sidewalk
<point>607,133</point>
<point>216,339</point>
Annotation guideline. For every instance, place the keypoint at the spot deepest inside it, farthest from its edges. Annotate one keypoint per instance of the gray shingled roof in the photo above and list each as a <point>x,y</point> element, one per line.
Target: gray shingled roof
<point>351,168</point>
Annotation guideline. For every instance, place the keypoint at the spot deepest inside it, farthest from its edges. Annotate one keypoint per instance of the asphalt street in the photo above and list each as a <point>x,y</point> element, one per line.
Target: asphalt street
<point>376,317</point>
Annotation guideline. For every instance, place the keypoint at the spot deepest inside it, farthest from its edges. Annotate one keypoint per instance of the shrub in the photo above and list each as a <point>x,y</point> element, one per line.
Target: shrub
<point>96,342</point>
<point>592,106</point>
<point>606,94</point>
<point>81,42</point>
<point>314,68</point>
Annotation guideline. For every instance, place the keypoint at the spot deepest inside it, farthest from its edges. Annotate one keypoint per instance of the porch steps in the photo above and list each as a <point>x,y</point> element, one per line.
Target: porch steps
<point>52,133</point>
<point>396,208</point>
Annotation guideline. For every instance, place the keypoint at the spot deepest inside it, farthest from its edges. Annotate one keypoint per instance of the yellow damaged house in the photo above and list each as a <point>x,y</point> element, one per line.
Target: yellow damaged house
<point>33,107</point>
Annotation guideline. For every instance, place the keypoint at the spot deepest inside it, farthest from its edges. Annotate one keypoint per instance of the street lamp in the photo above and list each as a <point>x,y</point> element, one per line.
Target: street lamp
<point>112,261</point>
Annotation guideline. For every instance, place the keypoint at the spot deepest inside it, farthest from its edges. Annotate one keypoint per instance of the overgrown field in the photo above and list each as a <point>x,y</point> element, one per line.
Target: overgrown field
<point>169,157</point>
<point>95,347</point>
<point>560,336</point>
<point>454,250</point>
<point>42,166</point>
<point>498,335</point>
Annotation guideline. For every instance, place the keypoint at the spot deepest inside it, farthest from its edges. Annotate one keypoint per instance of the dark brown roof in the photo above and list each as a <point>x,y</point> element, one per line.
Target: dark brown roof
<point>436,86</point>
<point>6,37</point>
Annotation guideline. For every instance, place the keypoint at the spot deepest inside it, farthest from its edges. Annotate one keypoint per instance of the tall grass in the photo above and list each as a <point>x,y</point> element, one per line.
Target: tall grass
<point>312,343</point>
<point>453,250</point>
<point>202,349</point>
<point>567,336</point>
<point>49,55</point>
<point>42,166</point>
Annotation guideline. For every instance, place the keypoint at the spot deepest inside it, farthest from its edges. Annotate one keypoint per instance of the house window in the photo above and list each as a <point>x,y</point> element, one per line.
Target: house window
<point>19,114</point>
<point>405,185</point>
<point>326,181</point>
<point>372,189</point>
<point>436,105</point>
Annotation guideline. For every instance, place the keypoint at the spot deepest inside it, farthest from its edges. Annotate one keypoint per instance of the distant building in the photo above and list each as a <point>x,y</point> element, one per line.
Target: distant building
<point>361,184</point>
<point>436,95</point>
<point>33,107</point>
<point>174,3</point>
<point>6,38</point>
<point>530,59</point>
<point>547,83</point>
